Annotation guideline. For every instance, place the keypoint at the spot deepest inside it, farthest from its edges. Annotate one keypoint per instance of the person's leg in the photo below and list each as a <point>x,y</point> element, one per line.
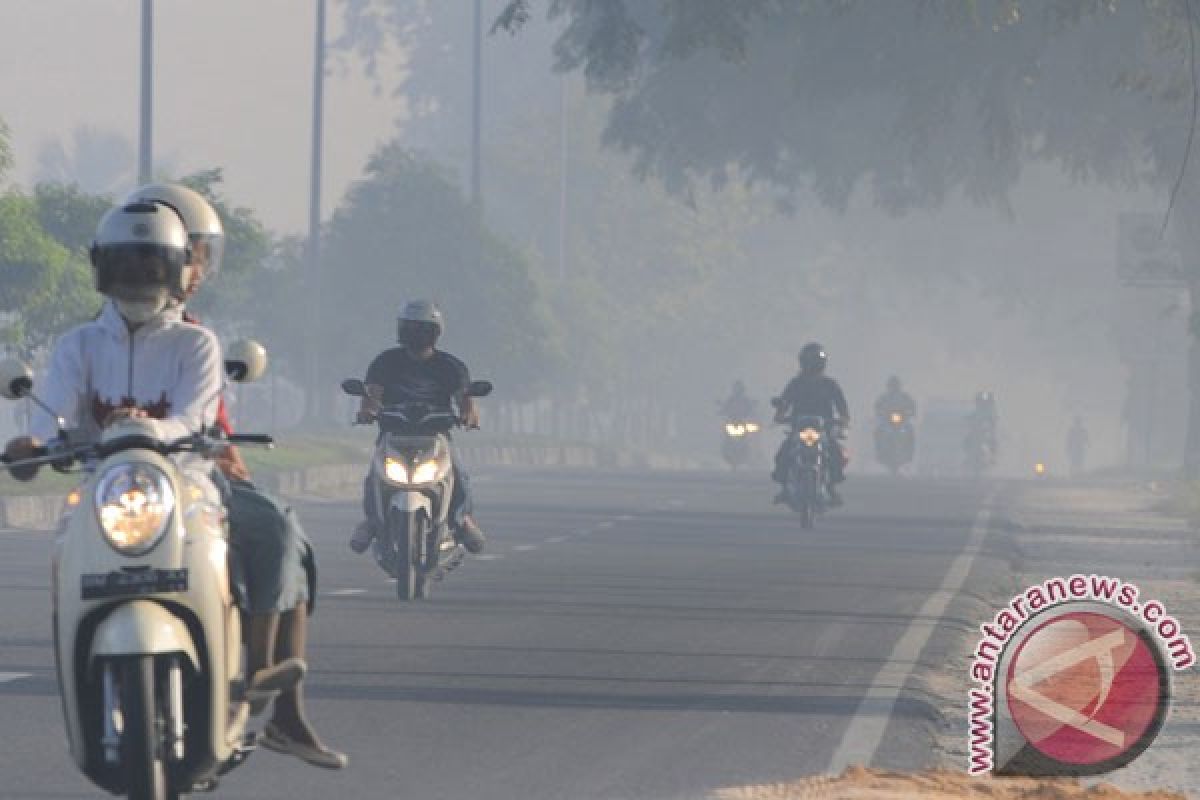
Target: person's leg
<point>289,730</point>
<point>462,507</point>
<point>364,532</point>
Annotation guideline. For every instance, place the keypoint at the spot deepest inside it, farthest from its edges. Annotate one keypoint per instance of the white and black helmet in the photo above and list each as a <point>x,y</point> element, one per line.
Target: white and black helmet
<point>204,228</point>
<point>141,248</point>
<point>423,311</point>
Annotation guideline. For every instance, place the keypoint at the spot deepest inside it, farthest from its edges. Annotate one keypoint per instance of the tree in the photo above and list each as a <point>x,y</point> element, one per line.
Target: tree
<point>5,150</point>
<point>44,287</point>
<point>406,231</point>
<point>70,215</point>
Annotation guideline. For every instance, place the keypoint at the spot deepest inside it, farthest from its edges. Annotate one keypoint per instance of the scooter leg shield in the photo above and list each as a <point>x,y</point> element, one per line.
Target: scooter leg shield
<point>142,627</point>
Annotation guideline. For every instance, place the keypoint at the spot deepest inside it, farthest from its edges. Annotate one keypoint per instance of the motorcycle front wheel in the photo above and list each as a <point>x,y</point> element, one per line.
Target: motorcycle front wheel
<point>408,531</point>
<point>141,751</point>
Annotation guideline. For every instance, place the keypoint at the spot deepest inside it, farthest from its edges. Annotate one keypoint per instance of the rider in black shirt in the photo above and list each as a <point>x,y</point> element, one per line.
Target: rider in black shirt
<point>417,372</point>
<point>812,393</point>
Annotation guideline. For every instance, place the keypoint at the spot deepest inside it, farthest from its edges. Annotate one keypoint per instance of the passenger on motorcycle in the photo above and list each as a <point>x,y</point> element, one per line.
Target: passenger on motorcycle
<point>265,536</point>
<point>417,372</point>
<point>895,401</point>
<point>813,393</point>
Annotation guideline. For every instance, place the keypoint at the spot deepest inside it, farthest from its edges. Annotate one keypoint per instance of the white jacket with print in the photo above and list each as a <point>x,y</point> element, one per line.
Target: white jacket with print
<point>169,368</point>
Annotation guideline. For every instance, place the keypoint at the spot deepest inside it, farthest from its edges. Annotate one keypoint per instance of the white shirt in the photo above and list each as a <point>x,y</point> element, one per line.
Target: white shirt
<point>169,368</point>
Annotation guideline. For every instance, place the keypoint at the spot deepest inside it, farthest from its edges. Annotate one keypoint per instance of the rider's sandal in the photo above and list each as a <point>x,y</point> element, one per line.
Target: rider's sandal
<point>273,738</point>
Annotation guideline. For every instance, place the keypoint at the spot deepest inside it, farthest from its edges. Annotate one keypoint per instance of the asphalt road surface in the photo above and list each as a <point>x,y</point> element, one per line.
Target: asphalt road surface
<point>626,636</point>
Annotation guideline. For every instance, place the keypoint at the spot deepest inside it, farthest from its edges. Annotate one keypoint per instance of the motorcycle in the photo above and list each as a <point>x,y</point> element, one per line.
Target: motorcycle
<point>737,444</point>
<point>980,446</point>
<point>147,633</point>
<point>895,441</point>
<point>413,480</point>
<point>808,468</point>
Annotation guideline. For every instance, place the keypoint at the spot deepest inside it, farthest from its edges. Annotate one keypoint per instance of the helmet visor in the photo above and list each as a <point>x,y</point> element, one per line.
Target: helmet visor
<point>208,249</point>
<point>134,270</point>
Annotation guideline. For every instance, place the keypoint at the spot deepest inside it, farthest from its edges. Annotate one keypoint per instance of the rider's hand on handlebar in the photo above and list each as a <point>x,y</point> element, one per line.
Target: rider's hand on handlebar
<point>364,417</point>
<point>470,418</point>
<point>18,449</point>
<point>124,412</point>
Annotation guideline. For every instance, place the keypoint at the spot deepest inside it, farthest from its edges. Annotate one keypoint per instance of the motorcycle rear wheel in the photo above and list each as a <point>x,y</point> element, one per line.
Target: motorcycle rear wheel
<point>141,750</point>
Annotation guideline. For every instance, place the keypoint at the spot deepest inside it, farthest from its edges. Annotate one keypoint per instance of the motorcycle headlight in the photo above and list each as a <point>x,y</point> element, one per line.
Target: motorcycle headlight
<point>751,427</point>
<point>134,504</point>
<point>897,419</point>
<point>734,430</point>
<point>394,470</point>
<point>425,472</point>
<point>810,436</point>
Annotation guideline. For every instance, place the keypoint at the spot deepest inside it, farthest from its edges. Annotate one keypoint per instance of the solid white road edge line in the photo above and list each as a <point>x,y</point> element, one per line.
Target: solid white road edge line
<point>865,732</point>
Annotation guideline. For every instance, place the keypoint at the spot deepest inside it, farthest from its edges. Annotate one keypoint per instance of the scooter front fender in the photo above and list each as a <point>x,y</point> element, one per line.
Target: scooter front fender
<point>411,502</point>
<point>142,627</point>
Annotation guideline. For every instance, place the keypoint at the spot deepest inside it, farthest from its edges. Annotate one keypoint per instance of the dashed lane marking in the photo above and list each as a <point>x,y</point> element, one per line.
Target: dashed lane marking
<point>556,539</point>
<point>6,677</point>
<point>489,557</point>
<point>346,592</point>
<point>524,548</point>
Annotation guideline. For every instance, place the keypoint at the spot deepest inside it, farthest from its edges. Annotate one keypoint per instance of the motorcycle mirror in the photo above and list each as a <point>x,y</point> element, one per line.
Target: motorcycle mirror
<point>16,379</point>
<point>479,389</point>
<point>245,361</point>
<point>354,387</point>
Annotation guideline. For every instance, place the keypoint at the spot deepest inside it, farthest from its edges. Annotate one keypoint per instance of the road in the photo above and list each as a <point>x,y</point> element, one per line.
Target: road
<point>653,635</point>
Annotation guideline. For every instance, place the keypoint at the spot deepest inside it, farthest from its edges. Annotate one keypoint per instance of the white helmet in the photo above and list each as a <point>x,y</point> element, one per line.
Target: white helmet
<point>141,257</point>
<point>420,324</point>
<point>199,217</point>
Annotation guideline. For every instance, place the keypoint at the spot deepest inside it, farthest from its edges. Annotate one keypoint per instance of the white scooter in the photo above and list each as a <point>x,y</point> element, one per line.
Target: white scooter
<point>147,636</point>
<point>413,480</point>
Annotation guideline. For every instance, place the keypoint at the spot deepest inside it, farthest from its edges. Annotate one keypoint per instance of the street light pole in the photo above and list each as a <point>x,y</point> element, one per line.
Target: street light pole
<point>146,133</point>
<point>477,108</point>
<point>315,405</point>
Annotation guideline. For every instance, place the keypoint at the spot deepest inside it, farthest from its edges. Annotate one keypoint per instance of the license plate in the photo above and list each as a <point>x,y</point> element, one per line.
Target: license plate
<point>121,583</point>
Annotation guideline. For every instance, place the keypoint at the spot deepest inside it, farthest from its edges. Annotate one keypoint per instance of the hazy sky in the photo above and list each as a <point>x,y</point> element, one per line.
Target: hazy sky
<point>233,89</point>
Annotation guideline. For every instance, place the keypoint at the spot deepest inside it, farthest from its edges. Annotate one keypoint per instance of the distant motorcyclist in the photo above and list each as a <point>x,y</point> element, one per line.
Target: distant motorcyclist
<point>813,393</point>
<point>895,401</point>
<point>895,438</point>
<point>417,372</point>
<point>1078,442</point>
<point>738,406</point>
<point>981,440</point>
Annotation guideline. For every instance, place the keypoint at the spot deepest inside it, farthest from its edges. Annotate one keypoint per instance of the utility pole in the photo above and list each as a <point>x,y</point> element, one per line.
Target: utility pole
<point>146,134</point>
<point>316,405</point>
<point>476,109</point>
<point>563,161</point>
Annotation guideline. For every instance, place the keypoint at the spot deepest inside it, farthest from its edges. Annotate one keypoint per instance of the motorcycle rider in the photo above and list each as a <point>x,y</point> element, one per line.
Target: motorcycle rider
<point>270,545</point>
<point>738,407</point>
<point>417,371</point>
<point>1078,442</point>
<point>813,393</point>
<point>895,401</point>
<point>981,429</point>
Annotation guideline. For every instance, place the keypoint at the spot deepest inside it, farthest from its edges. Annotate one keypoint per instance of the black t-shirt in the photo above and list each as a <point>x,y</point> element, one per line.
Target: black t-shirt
<point>405,379</point>
<point>815,396</point>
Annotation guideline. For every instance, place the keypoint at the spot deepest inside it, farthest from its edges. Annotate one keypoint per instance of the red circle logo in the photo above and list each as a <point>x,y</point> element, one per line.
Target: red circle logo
<point>1086,688</point>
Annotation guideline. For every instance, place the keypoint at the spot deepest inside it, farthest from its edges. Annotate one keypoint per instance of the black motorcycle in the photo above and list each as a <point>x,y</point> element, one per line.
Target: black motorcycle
<point>807,460</point>
<point>412,475</point>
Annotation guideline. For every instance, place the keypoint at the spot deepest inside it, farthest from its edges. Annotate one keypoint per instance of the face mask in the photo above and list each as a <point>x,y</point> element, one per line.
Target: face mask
<point>139,312</point>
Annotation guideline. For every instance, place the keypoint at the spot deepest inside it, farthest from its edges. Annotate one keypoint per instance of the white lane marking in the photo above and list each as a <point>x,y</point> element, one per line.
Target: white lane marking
<point>556,539</point>
<point>346,592</point>
<point>675,503</point>
<point>865,732</point>
<point>488,557</point>
<point>625,518</point>
<point>5,677</point>
<point>524,548</point>
<point>603,526</point>
<point>583,532</point>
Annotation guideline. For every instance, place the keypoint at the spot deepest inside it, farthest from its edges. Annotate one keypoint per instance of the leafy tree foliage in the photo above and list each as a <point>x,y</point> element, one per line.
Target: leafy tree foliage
<point>405,231</point>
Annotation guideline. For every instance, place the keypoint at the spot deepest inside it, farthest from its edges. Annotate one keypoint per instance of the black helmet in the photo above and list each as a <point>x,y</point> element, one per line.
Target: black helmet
<point>813,358</point>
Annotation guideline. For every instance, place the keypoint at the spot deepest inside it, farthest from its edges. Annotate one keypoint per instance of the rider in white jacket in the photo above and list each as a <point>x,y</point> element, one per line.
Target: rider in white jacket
<point>108,368</point>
